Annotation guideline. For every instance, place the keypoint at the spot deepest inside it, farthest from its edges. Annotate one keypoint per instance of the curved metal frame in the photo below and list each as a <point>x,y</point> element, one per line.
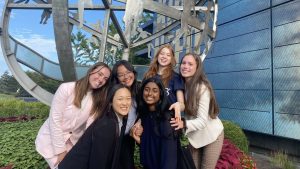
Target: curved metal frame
<point>29,85</point>
<point>61,23</point>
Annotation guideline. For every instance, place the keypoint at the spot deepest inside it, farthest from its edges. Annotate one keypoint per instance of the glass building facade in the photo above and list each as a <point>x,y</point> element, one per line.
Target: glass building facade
<point>254,65</point>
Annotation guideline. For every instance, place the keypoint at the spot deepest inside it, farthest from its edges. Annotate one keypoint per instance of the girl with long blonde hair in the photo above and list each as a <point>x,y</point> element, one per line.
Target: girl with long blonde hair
<point>162,67</point>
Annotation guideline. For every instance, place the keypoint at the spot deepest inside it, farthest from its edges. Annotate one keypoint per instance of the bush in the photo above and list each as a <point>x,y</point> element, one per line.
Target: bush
<point>17,145</point>
<point>236,135</point>
<point>15,107</point>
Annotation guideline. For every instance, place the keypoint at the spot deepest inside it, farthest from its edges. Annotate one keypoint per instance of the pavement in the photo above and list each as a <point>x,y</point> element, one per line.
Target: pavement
<point>263,159</point>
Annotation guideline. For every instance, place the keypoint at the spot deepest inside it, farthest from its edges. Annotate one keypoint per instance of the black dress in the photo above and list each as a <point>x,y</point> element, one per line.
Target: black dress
<point>159,141</point>
<point>98,148</point>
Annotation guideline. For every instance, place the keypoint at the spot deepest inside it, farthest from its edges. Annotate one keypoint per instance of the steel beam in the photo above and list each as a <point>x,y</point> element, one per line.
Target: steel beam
<point>63,39</point>
<point>116,24</point>
<point>71,7</point>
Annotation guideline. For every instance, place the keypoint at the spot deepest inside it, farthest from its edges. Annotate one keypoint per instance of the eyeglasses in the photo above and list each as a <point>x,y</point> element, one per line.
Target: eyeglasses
<point>124,75</point>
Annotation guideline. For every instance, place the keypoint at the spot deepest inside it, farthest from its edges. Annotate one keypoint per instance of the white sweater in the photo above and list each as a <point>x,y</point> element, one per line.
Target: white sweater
<point>203,130</point>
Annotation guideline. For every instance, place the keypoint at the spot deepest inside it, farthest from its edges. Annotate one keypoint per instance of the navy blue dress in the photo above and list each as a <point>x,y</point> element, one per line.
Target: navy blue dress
<point>175,83</point>
<point>158,149</point>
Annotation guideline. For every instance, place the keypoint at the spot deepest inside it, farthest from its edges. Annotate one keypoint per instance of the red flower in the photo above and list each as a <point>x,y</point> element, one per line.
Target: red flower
<point>232,157</point>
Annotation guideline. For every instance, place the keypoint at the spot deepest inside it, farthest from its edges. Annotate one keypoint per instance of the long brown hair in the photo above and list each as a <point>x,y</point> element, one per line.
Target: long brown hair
<point>98,95</point>
<point>193,88</point>
<point>167,73</point>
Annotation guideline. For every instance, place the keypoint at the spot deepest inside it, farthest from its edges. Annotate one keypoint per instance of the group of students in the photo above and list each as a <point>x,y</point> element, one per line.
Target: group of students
<point>95,122</point>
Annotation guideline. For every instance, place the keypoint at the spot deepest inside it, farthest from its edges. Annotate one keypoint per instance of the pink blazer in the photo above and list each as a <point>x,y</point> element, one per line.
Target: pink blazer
<point>65,122</point>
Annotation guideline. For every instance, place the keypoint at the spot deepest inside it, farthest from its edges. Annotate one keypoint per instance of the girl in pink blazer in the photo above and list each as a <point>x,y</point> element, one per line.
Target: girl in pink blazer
<point>73,109</point>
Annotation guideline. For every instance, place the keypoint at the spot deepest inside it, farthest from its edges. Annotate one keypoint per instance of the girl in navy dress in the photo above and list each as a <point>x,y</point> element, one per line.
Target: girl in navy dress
<point>158,142</point>
<point>162,67</point>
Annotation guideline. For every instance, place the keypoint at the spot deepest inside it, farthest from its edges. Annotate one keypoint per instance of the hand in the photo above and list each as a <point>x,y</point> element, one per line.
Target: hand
<point>60,157</point>
<point>177,108</point>
<point>134,134</point>
<point>139,128</point>
<point>136,131</point>
<point>177,124</point>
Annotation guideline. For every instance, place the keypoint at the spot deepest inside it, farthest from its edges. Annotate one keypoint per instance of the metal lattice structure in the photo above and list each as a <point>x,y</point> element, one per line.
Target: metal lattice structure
<point>176,22</point>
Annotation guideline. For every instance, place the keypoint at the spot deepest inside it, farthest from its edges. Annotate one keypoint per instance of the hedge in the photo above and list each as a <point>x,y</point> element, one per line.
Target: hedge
<point>236,135</point>
<point>15,107</point>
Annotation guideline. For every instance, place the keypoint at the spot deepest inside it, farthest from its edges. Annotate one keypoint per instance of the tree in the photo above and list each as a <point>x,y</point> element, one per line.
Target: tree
<point>85,52</point>
<point>46,83</point>
<point>9,85</point>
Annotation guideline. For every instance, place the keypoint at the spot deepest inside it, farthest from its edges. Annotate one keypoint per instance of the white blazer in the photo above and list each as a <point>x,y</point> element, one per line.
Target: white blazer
<point>65,122</point>
<point>203,130</point>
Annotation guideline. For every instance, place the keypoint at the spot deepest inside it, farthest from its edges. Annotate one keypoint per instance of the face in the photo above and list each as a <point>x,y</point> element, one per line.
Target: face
<point>151,94</point>
<point>125,76</point>
<point>164,57</point>
<point>122,102</point>
<point>98,77</point>
<point>188,66</point>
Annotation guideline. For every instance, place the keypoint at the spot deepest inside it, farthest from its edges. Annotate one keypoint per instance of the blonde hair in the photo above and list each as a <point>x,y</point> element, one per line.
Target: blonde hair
<point>154,66</point>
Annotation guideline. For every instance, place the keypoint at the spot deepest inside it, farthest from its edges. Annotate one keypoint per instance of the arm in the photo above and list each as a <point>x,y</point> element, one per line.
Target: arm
<point>179,105</point>
<point>201,119</point>
<point>58,106</point>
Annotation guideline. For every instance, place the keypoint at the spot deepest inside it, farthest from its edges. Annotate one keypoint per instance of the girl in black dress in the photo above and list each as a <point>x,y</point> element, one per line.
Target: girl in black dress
<point>158,142</point>
<point>100,146</point>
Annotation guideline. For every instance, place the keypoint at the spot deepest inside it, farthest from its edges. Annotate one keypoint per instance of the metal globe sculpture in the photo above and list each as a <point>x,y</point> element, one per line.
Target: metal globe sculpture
<point>186,24</point>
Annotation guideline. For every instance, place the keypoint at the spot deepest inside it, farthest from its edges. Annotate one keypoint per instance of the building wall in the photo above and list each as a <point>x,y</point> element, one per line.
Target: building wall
<point>254,65</point>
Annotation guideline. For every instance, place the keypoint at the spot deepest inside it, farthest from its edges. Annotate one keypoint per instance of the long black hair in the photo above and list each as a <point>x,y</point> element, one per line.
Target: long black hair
<point>114,78</point>
<point>107,108</point>
<point>161,106</point>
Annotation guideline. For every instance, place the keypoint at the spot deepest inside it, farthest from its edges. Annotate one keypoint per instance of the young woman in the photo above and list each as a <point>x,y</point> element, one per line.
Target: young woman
<point>74,103</point>
<point>158,142</point>
<point>162,67</point>
<point>202,126</point>
<point>100,146</point>
<point>123,73</point>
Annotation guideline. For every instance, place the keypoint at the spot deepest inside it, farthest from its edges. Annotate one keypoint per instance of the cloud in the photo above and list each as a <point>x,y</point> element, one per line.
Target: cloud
<point>1,7</point>
<point>39,43</point>
<point>13,15</point>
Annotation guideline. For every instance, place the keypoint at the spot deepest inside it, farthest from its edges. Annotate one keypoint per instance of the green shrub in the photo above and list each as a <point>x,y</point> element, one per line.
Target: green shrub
<point>15,107</point>
<point>5,96</point>
<point>236,135</point>
<point>17,145</point>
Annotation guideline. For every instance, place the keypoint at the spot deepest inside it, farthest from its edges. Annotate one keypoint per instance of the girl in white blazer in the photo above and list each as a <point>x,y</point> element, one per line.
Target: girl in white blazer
<point>73,109</point>
<point>203,128</point>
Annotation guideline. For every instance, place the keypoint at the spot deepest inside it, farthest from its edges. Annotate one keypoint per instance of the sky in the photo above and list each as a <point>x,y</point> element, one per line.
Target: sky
<point>3,66</point>
<point>25,27</point>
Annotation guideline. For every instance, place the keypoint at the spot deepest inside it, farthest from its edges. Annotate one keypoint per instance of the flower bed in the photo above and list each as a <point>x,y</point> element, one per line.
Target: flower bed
<point>233,157</point>
<point>17,118</point>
